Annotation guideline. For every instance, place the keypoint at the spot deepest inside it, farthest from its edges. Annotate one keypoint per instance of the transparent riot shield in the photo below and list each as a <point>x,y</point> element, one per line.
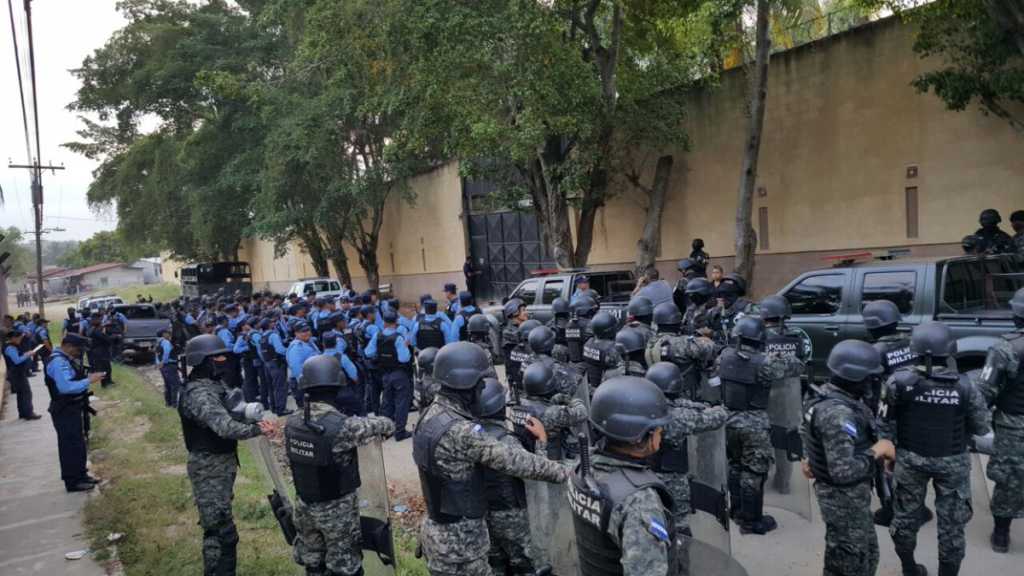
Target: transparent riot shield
<point>707,559</point>
<point>279,498</point>
<point>552,535</point>
<point>709,476</point>
<point>374,518</point>
<point>786,487</point>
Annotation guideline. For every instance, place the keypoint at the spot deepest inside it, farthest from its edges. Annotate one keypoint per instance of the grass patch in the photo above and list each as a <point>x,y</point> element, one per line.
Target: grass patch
<point>137,445</point>
<point>163,292</point>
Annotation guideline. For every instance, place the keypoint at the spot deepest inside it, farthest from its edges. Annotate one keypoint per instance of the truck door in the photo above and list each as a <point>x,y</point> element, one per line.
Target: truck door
<point>898,285</point>
<point>551,289</point>
<point>818,305</point>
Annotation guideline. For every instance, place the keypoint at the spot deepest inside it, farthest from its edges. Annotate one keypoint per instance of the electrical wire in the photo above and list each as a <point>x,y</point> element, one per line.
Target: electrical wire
<point>21,87</point>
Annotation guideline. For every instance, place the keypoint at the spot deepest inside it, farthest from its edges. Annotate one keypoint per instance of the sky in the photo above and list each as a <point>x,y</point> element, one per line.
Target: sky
<point>66,31</point>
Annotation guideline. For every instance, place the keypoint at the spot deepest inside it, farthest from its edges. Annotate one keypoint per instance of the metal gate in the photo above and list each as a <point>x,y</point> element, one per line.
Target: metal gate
<point>505,245</point>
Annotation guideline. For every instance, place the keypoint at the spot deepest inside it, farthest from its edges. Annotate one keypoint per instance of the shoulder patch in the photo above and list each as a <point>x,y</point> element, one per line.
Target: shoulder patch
<point>478,429</point>
<point>657,528</point>
<point>850,428</point>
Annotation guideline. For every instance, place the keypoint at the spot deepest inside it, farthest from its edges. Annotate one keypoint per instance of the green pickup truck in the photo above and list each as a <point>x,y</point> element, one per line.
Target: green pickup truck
<point>967,293</point>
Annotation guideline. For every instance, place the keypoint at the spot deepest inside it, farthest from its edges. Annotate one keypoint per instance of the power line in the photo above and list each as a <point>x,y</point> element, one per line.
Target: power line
<point>21,87</point>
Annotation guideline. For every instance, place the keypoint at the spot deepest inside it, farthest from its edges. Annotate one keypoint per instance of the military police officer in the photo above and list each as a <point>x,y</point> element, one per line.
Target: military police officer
<point>600,355</point>
<point>515,314</point>
<point>561,312</point>
<point>542,342</point>
<point>692,354</point>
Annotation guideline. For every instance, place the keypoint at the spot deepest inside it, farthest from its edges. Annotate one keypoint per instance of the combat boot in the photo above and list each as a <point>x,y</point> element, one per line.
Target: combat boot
<point>910,566</point>
<point>1001,535</point>
<point>753,520</point>
<point>949,568</point>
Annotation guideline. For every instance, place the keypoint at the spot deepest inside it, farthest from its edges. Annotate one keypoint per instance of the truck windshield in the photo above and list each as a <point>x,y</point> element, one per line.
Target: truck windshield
<point>613,286</point>
<point>982,285</point>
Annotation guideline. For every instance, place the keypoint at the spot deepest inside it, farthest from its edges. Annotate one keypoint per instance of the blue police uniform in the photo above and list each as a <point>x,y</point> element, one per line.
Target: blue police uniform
<point>260,364</point>
<point>298,352</point>
<point>245,354</point>
<point>461,321</point>
<point>69,387</point>
<point>277,369</point>
<point>390,349</point>
<point>167,362</point>
<point>18,365</point>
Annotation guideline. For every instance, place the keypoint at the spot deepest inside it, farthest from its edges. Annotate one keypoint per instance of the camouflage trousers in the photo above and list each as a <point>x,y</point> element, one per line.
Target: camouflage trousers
<point>456,549</point>
<point>749,449</point>
<point>951,478</point>
<point>213,487</point>
<point>510,541</point>
<point>329,534</point>
<point>1006,469</point>
<point>851,544</point>
<point>678,486</point>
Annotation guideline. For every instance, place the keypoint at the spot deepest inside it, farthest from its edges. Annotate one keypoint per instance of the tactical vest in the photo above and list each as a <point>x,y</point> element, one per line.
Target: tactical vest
<point>782,344</point>
<point>596,355</point>
<point>895,354</point>
<point>557,325</point>
<point>741,388</point>
<point>430,334</point>
<point>520,413</point>
<point>672,458</point>
<point>269,353</point>
<point>1011,400</point>
<point>60,401</point>
<point>15,370</point>
<point>520,359</point>
<point>464,329</point>
<point>198,437</point>
<point>72,327</point>
<point>447,500</point>
<point>817,455</point>
<point>577,331</point>
<point>599,555</point>
<point>387,351</point>
<point>319,477</point>
<point>931,413</point>
<point>504,492</point>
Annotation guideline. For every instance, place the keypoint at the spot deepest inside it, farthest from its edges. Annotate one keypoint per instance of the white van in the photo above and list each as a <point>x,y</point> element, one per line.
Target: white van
<point>98,302</point>
<point>319,287</point>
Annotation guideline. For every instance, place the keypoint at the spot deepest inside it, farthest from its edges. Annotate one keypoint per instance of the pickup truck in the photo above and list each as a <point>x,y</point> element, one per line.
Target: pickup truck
<point>139,338</point>
<point>969,294</point>
<point>541,289</point>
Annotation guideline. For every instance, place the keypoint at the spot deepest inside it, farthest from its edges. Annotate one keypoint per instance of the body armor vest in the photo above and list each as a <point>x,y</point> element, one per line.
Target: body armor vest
<point>504,492</point>
<point>817,456</point>
<point>60,401</point>
<point>520,413</point>
<point>387,351</point>
<point>895,354</point>
<point>269,353</point>
<point>15,370</point>
<point>198,437</point>
<point>1011,400</point>
<point>596,354</point>
<point>577,331</point>
<point>448,500</point>
<point>931,413</point>
<point>672,458</point>
<point>430,334</point>
<point>464,329</point>
<point>558,326</point>
<point>741,387</point>
<point>599,555</point>
<point>319,477</point>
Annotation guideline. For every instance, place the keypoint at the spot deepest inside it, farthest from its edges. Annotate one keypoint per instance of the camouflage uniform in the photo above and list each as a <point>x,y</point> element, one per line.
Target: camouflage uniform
<point>428,389</point>
<point>627,368</point>
<point>561,351</point>
<point>510,530</point>
<point>213,474</point>
<point>509,340</point>
<point>696,318</point>
<point>722,320</point>
<point>699,351</point>
<point>1018,242</point>
<point>567,379</point>
<point>950,475</point>
<point>330,530</point>
<point>844,497</point>
<point>644,329</point>
<point>687,418</point>
<point>460,548</point>
<point>564,413</point>
<point>1006,467</point>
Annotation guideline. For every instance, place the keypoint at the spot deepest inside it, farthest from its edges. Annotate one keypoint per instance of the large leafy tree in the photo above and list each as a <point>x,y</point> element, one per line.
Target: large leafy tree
<point>106,246</point>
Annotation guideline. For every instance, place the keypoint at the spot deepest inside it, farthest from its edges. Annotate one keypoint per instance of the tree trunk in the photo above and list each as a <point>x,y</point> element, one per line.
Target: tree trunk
<point>745,237</point>
<point>368,260</point>
<point>3,295</point>
<point>549,203</point>
<point>336,252</point>
<point>650,240</point>
<point>314,246</point>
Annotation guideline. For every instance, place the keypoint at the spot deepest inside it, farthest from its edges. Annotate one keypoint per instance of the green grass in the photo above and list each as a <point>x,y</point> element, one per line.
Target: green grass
<point>137,445</point>
<point>163,292</point>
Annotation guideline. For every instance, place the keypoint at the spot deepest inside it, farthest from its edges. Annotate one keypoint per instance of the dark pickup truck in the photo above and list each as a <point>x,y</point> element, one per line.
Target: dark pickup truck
<point>139,338</point>
<point>541,289</point>
<point>968,293</point>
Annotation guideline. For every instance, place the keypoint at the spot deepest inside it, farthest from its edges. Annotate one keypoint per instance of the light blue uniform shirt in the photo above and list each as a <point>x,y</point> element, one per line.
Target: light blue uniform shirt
<point>401,347</point>
<point>164,354</point>
<point>60,370</point>
<point>226,337</point>
<point>299,352</point>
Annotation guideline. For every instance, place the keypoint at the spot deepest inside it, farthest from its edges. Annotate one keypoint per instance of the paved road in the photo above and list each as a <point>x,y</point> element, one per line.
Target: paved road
<point>39,521</point>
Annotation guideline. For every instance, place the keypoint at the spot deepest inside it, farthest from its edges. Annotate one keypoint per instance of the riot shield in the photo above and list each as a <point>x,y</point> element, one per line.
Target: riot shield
<point>707,559</point>
<point>552,535</point>
<point>709,477</point>
<point>280,502</point>
<point>787,488</point>
<point>374,518</point>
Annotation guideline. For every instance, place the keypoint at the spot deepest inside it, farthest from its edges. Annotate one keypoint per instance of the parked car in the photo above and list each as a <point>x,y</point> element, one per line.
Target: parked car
<point>139,337</point>
<point>969,294</point>
<point>98,302</point>
<point>541,289</point>
<point>319,287</point>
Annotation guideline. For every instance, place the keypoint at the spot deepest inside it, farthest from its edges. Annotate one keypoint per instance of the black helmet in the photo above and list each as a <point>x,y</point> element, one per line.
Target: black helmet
<point>880,314</point>
<point>539,380</point>
<point>732,285</point>
<point>512,307</point>
<point>989,217</point>
<point>541,340</point>
<point>465,298</point>
<point>479,324</point>
<point>526,327</point>
<point>491,400</point>
<point>203,346</point>
<point>425,359</point>
<point>461,365</point>
<point>429,307</point>
<point>630,340</point>
<point>627,408</point>
<point>603,325</point>
<point>668,377</point>
<point>699,287</point>
<point>697,243</point>
<point>641,308</point>
<point>389,315</point>
<point>685,265</point>
<point>667,314</point>
<point>1017,303</point>
<point>560,307</point>
<point>774,308</point>
<point>320,371</point>
<point>932,339</point>
<point>585,306</point>
<point>854,360</point>
<point>750,330</point>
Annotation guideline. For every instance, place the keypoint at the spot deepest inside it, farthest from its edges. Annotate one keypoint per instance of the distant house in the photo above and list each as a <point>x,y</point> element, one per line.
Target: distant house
<point>152,270</point>
<point>101,276</point>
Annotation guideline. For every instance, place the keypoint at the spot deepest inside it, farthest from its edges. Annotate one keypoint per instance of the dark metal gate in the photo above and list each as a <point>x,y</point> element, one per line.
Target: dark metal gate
<point>505,245</point>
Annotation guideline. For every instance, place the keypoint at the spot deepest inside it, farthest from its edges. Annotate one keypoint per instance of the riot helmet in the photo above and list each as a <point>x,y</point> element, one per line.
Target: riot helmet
<point>685,265</point>
<point>560,308</point>
<point>603,325</point>
<point>461,365</point>
<point>526,327</point>
<point>630,340</point>
<point>321,371</point>
<point>430,307</point>
<point>751,331</point>
<point>881,317</point>
<point>490,403</point>
<point>585,307</point>
<point>667,317</point>
<point>699,290</point>
<point>201,347</point>
<point>667,377</point>
<point>854,361</point>
<point>539,380</point>
<point>641,309</point>
<point>932,340</point>
<point>425,360</point>
<point>541,340</point>
<point>627,408</point>
<point>479,325</point>
<point>989,218</point>
<point>512,308</point>
<point>970,243</point>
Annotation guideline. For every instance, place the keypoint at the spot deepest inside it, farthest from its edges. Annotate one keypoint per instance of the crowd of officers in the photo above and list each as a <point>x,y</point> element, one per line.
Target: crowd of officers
<point>603,407</point>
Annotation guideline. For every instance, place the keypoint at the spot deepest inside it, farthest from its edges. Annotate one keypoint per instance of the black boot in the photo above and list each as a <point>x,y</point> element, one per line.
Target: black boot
<point>228,561</point>
<point>949,568</point>
<point>753,520</point>
<point>910,566</point>
<point>1001,535</point>
<point>735,495</point>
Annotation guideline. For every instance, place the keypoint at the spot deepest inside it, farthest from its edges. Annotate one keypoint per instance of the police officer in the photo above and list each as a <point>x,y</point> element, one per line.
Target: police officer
<point>427,386</point>
<point>299,350</point>
<point>841,443</point>
<point>1002,384</point>
<point>696,314</point>
<point>433,330</point>
<point>515,314</point>
<point>621,509</point>
<point>460,326</point>
<point>100,343</point>
<point>275,353</point>
<point>321,447</point>
<point>930,412</point>
<point>166,359</point>
<point>560,319</point>
<point>18,364</point>
<point>522,354</point>
<point>451,450</point>
<point>244,352</point>
<point>641,314</point>
<point>746,375</point>
<point>393,355</point>
<point>69,399</point>
<point>558,413</point>
<point>671,462</point>
<point>992,239</point>
<point>451,301</point>
<point>732,305</point>
<point>479,331</point>
<point>507,522</point>
<point>689,270</point>
<point>632,347</point>
<point>692,354</point>
<point>1017,221</point>
<point>71,323</point>
<point>600,354</point>
<point>583,290</point>
<point>211,437</point>
<point>577,331</point>
<point>542,342</point>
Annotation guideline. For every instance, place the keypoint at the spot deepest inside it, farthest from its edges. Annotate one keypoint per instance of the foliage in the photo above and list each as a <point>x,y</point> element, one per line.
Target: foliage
<point>21,259</point>
<point>104,247</point>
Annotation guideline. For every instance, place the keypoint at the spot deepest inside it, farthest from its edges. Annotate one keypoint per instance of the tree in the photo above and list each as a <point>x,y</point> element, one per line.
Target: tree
<point>105,247</point>
<point>19,259</point>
